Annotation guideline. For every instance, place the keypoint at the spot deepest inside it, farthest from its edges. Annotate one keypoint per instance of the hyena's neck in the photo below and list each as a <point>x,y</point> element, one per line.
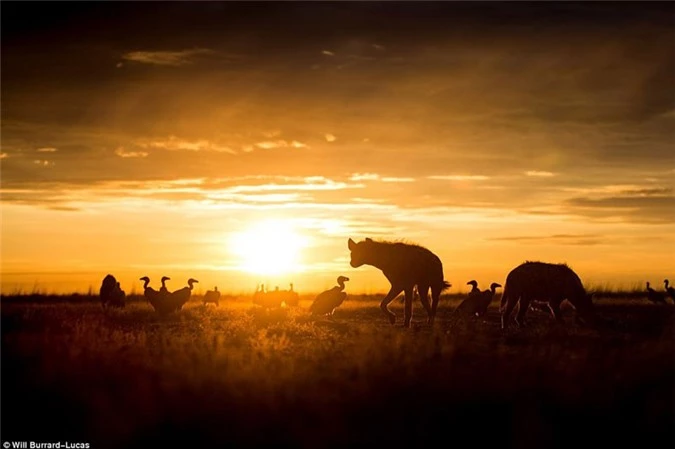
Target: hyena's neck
<point>383,258</point>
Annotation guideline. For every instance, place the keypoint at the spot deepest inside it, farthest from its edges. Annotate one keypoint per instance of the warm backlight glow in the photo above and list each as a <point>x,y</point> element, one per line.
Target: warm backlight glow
<point>271,247</point>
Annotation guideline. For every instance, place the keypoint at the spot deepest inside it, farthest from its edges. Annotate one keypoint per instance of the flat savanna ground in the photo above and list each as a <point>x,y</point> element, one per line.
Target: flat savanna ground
<point>239,376</point>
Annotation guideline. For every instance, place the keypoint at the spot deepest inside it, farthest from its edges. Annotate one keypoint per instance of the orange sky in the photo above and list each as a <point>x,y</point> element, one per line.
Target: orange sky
<point>249,144</point>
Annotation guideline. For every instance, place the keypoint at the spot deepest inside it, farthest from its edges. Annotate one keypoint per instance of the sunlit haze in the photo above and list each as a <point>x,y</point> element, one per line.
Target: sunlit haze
<point>244,143</point>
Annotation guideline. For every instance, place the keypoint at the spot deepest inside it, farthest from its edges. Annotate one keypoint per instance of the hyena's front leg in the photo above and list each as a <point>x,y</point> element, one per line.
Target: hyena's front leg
<point>520,316</point>
<point>407,315</point>
<point>393,293</point>
<point>555,311</point>
<point>508,308</point>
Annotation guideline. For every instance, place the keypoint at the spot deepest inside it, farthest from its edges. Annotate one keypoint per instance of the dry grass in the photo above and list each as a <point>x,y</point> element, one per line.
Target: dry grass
<point>238,376</point>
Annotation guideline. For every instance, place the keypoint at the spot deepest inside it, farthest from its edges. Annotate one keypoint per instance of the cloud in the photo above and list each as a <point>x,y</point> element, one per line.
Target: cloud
<point>397,179</point>
<point>3,155</point>
<point>174,143</point>
<point>659,191</point>
<point>270,144</point>
<point>43,162</point>
<point>657,209</point>
<point>166,58</point>
<point>327,53</point>
<point>47,150</point>
<point>539,174</point>
<point>376,177</point>
<point>558,239</point>
<point>459,177</point>
<point>121,152</point>
<point>364,177</point>
<point>330,137</point>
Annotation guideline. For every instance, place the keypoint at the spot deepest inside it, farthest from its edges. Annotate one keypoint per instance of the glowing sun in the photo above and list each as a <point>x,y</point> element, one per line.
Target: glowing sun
<point>270,247</point>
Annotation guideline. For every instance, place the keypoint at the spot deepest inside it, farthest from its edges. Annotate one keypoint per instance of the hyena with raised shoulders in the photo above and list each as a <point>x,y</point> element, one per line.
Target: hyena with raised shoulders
<point>405,266</point>
<point>548,283</point>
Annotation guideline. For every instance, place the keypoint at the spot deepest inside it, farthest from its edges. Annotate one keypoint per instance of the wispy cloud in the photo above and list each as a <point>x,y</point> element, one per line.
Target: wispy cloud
<point>121,152</point>
<point>43,162</point>
<point>658,208</point>
<point>330,137</point>
<point>174,143</point>
<point>558,239</point>
<point>3,155</point>
<point>376,177</point>
<point>539,174</point>
<point>364,177</point>
<point>270,144</point>
<point>459,177</point>
<point>47,150</point>
<point>658,191</point>
<point>166,58</point>
<point>327,53</point>
<point>397,179</point>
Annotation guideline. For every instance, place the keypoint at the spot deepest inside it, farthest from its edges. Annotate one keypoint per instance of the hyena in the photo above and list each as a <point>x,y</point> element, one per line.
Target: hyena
<point>545,282</point>
<point>405,266</point>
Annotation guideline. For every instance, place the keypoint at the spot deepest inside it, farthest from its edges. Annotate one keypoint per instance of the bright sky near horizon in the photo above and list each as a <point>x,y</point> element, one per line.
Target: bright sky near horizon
<point>244,143</point>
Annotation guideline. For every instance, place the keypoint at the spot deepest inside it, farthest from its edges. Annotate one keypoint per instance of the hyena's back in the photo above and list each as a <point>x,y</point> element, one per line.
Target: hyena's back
<point>412,264</point>
<point>543,281</point>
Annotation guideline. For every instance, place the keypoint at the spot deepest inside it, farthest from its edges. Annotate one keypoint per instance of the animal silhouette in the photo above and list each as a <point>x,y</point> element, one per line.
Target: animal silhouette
<point>405,266</point>
<point>291,297</point>
<point>545,282</point>
<point>212,296</point>
<point>474,289</point>
<point>110,293</point>
<point>477,302</point>
<point>654,296</point>
<point>157,300</point>
<point>178,298</point>
<point>267,300</point>
<point>670,291</point>
<point>163,290</point>
<point>326,302</point>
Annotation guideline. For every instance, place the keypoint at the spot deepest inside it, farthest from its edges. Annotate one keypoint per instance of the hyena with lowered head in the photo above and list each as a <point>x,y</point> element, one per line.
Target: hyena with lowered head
<point>545,282</point>
<point>405,266</point>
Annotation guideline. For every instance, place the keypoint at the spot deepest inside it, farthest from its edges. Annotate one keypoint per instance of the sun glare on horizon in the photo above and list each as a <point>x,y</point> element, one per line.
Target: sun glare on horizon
<point>271,247</point>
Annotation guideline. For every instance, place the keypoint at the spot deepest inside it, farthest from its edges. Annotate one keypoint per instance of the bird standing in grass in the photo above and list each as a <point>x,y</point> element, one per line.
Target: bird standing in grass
<point>212,296</point>
<point>484,299</point>
<point>326,302</point>
<point>654,296</point>
<point>163,290</point>
<point>474,290</point>
<point>291,297</point>
<point>179,297</point>
<point>670,291</point>
<point>476,303</point>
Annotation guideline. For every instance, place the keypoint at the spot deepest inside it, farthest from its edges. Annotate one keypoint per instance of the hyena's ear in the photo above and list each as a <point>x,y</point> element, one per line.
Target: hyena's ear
<point>351,244</point>
<point>369,240</point>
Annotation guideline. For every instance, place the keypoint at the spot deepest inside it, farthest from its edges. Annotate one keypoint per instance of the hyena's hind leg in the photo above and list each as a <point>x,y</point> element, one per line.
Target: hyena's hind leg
<point>393,293</point>
<point>423,291</point>
<point>435,298</point>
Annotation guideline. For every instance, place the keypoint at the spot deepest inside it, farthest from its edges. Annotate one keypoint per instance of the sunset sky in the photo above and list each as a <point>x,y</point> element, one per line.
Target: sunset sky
<point>245,143</point>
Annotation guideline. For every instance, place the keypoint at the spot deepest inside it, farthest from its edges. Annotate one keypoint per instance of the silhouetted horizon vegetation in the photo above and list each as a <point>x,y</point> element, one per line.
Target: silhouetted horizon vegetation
<point>601,291</point>
<point>240,376</point>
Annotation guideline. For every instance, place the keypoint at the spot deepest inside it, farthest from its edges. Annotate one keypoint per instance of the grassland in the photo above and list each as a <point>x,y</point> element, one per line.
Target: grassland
<point>238,376</point>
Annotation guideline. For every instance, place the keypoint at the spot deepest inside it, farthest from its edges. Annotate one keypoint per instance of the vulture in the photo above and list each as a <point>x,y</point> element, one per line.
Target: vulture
<point>326,303</point>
